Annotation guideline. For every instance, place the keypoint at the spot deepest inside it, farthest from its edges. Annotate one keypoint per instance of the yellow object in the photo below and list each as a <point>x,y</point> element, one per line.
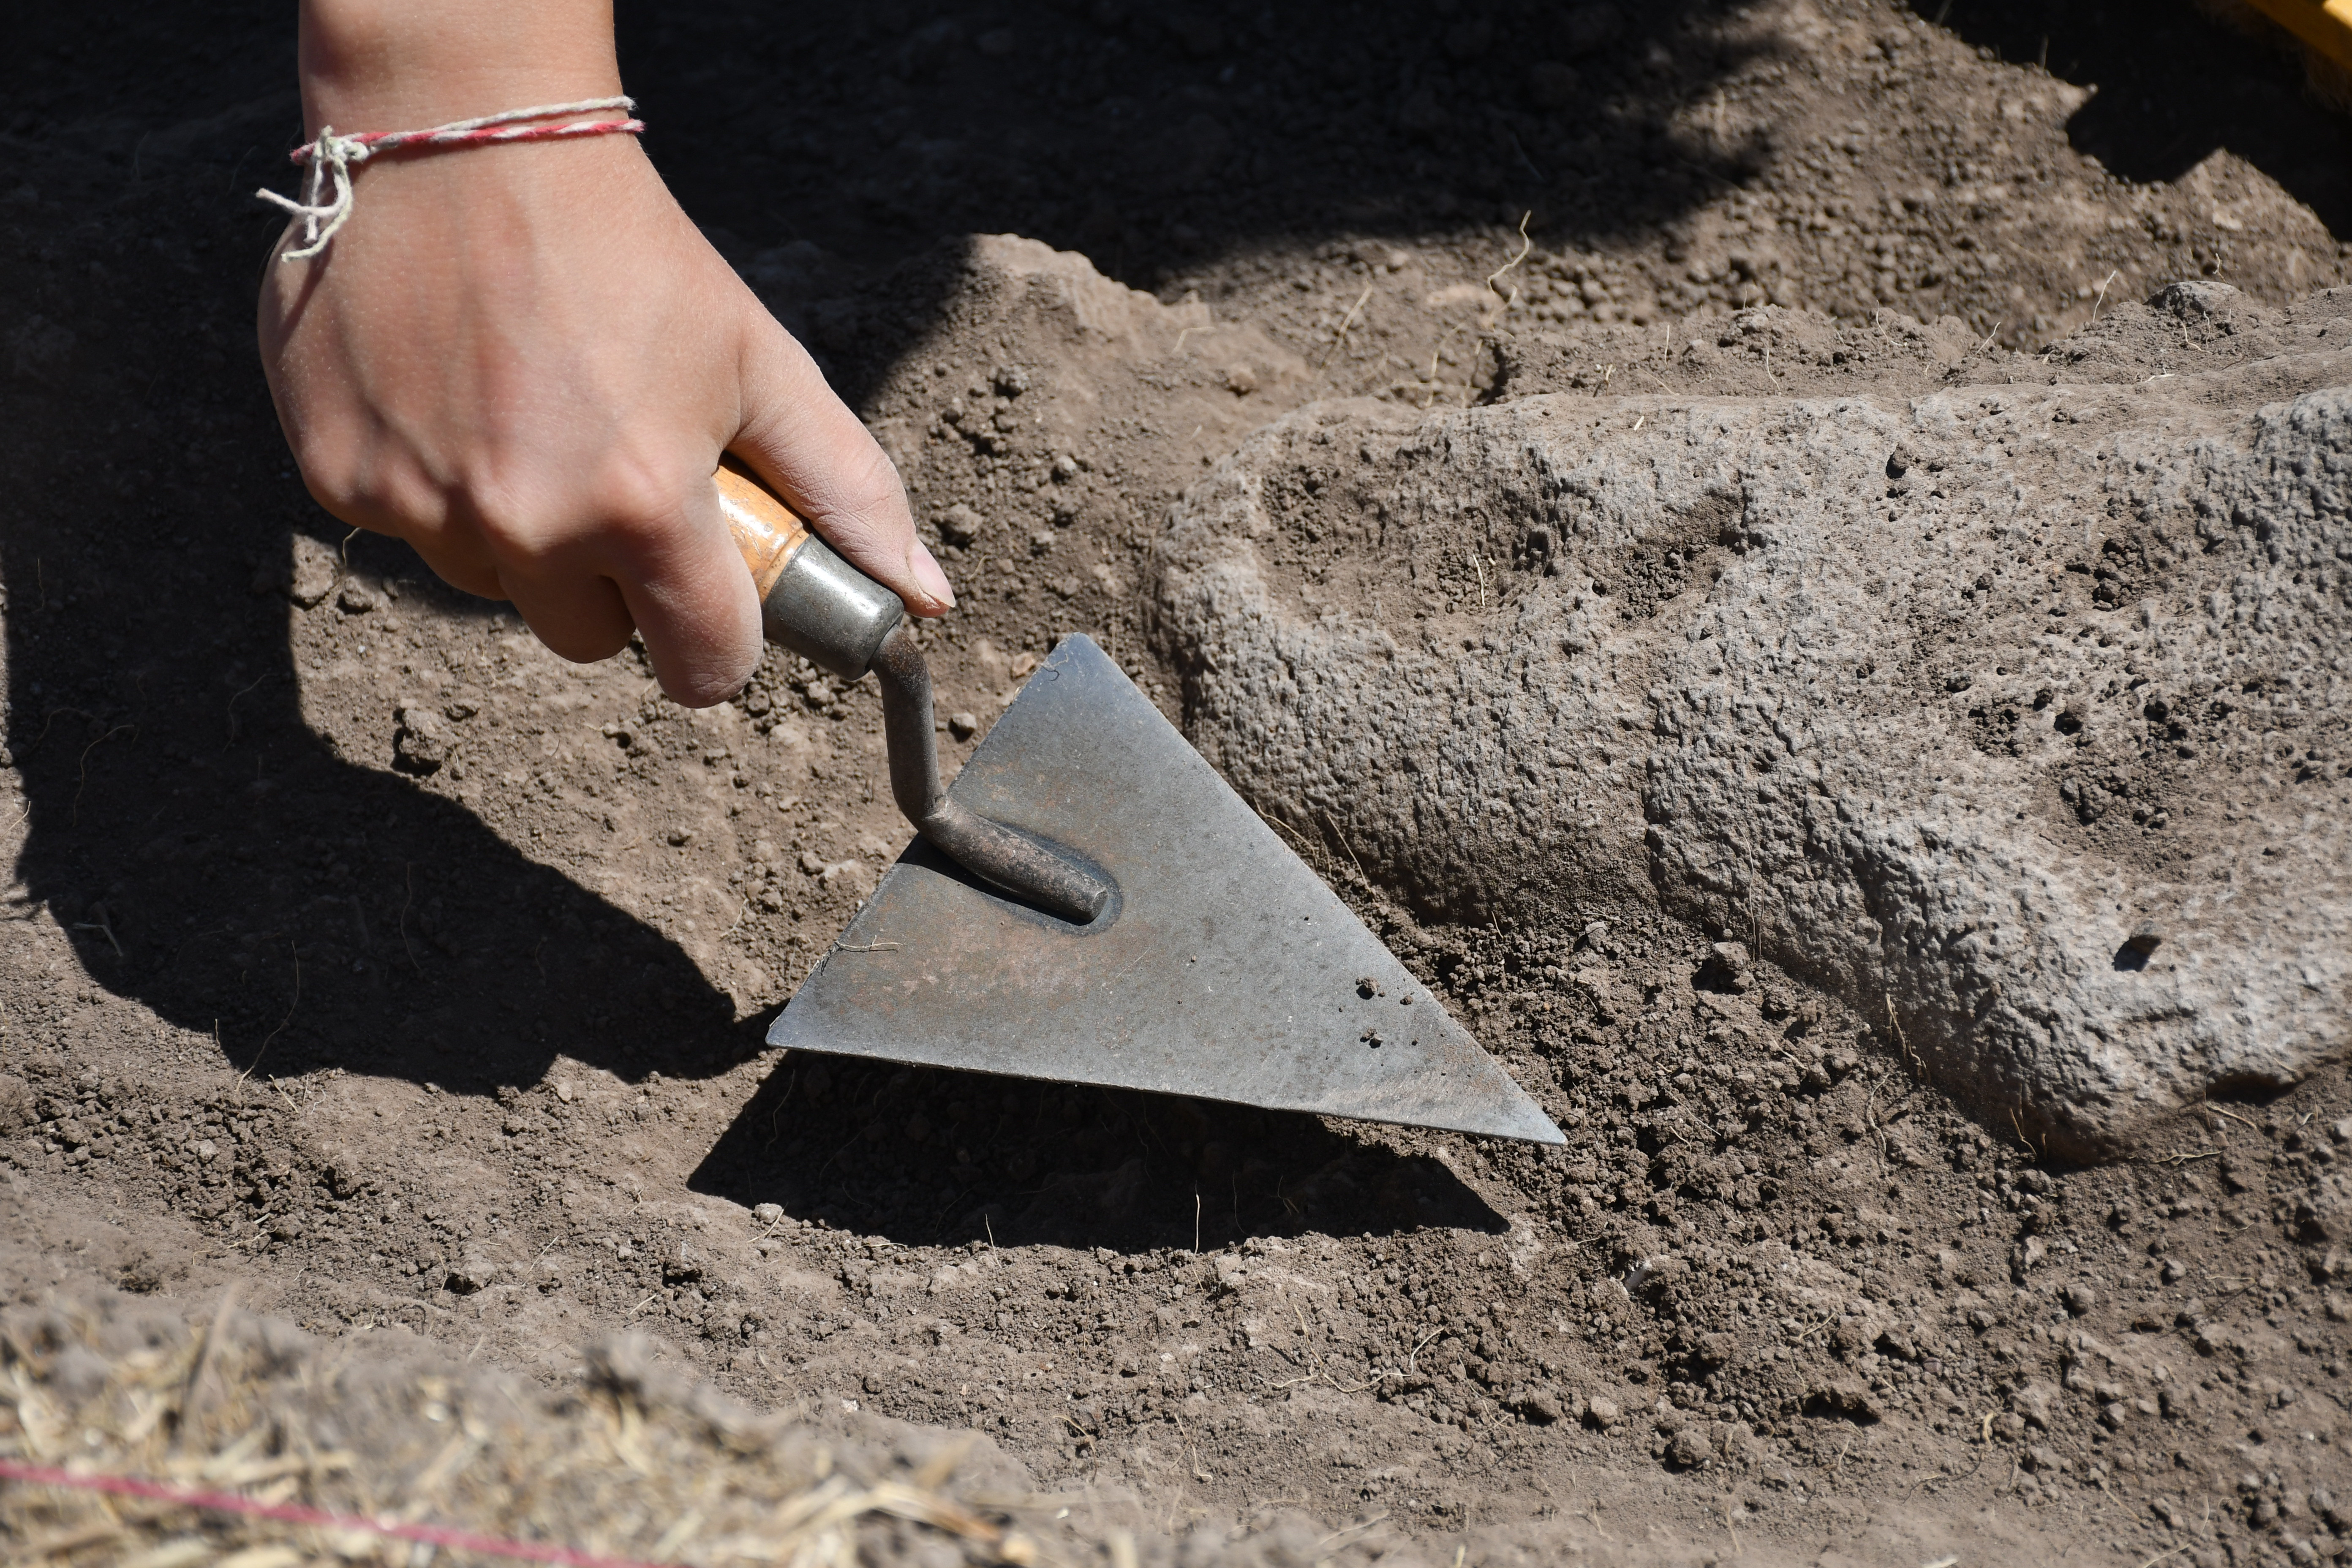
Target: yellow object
<point>2324,25</point>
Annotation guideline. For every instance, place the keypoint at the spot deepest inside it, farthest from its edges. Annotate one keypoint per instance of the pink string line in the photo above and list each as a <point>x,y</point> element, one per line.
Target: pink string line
<point>296,1513</point>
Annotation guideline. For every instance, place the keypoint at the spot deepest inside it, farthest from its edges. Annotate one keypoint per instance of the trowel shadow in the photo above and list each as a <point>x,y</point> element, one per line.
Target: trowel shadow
<point>929,1156</point>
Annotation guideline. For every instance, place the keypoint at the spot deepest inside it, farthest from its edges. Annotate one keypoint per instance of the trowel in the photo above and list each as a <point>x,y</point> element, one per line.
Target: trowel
<point>1091,903</point>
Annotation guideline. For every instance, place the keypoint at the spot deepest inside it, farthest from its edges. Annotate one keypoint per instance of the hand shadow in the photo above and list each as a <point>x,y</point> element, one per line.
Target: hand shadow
<point>208,854</point>
<point>214,857</point>
<point>926,1156</point>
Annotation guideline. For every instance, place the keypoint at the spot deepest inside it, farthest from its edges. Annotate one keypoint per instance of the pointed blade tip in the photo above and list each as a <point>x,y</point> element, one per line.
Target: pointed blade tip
<point>1531,1126</point>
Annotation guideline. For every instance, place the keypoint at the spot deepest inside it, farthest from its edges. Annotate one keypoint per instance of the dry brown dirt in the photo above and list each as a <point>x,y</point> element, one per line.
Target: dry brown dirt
<point>364,955</point>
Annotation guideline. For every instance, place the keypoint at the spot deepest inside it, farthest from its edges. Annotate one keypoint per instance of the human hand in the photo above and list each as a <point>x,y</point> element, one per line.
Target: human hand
<point>526,361</point>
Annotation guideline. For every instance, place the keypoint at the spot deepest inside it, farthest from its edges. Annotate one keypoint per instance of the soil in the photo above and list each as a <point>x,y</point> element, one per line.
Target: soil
<point>363,954</point>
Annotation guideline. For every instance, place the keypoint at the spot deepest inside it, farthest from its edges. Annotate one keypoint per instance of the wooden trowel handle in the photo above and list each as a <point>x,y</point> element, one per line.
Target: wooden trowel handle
<point>766,530</point>
<point>811,600</point>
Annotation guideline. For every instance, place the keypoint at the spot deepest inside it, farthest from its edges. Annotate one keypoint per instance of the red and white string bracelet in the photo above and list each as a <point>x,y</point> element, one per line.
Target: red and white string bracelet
<point>325,203</point>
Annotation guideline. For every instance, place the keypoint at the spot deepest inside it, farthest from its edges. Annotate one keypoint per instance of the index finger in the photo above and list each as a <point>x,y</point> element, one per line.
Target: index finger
<point>806,444</point>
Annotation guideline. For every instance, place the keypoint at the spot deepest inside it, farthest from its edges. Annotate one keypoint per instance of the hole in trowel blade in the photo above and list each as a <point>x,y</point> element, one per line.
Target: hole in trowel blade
<point>922,853</point>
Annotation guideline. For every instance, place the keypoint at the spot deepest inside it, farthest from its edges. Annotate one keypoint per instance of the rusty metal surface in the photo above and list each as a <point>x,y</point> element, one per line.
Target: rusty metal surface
<point>1221,968</point>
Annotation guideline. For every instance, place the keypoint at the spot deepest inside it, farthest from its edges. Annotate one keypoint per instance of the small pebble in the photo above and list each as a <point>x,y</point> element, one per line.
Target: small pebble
<point>959,525</point>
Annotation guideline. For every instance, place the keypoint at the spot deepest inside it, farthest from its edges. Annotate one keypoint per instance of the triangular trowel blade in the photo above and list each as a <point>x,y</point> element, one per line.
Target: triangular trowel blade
<point>1225,969</point>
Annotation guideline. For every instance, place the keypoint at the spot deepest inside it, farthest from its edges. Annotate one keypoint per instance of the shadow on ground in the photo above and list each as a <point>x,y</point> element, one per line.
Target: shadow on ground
<point>926,1157</point>
<point>1155,138</point>
<point>2174,86</point>
<point>212,856</point>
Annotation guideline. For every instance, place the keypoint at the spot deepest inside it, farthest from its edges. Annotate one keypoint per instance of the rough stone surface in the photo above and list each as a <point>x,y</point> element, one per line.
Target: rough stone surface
<point>2014,715</point>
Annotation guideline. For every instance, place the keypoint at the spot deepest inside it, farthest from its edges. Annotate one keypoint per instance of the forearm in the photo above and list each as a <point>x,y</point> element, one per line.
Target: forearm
<point>384,65</point>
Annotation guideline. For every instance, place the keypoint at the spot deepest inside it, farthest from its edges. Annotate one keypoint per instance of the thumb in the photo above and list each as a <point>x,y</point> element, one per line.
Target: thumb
<point>806,444</point>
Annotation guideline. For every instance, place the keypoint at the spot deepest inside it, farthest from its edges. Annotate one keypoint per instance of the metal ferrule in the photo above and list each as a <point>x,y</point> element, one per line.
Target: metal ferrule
<point>988,849</point>
<point>829,611</point>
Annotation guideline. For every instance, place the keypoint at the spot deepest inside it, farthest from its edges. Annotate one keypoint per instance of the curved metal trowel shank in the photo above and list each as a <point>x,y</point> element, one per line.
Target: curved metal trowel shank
<point>827,611</point>
<point>986,848</point>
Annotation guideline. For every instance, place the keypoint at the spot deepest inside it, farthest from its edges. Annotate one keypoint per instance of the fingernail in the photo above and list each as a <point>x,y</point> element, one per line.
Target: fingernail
<point>929,578</point>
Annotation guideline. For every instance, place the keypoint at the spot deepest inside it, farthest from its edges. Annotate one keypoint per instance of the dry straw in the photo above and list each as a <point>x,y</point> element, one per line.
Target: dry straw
<point>129,1439</point>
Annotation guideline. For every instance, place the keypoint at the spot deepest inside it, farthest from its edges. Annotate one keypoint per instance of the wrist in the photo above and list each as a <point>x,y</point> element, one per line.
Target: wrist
<point>384,65</point>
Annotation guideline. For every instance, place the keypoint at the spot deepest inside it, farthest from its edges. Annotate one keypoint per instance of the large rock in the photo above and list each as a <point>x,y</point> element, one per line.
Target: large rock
<point>2013,715</point>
